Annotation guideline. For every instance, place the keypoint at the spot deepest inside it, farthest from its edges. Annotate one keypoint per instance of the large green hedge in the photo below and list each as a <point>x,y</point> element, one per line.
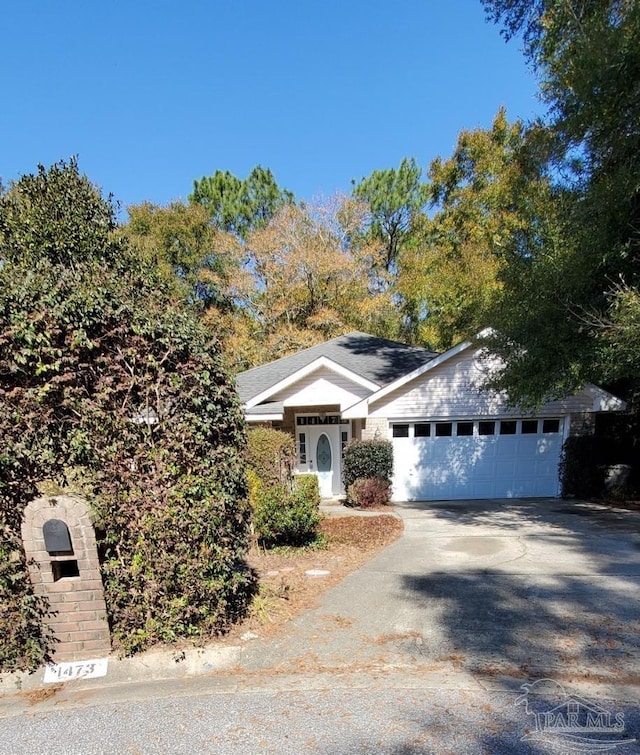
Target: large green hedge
<point>106,380</point>
<point>365,459</point>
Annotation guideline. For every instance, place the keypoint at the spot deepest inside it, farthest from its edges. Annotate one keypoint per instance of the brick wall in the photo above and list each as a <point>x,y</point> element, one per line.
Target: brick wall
<point>381,425</point>
<point>77,602</point>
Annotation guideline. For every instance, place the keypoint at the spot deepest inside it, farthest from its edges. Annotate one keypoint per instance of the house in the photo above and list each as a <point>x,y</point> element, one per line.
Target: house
<point>451,439</point>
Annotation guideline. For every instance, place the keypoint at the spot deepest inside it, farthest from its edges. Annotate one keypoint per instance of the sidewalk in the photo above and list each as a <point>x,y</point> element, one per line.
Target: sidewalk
<point>336,507</point>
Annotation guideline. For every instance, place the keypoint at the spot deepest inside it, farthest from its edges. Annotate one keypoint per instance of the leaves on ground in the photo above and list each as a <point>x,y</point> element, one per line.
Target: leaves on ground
<point>285,589</point>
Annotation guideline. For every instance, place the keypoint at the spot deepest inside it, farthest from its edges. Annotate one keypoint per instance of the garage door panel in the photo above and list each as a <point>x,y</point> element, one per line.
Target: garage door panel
<point>479,466</point>
<point>505,468</point>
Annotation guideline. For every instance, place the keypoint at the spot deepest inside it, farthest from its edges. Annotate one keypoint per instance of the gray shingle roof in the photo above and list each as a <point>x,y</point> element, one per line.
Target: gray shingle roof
<point>376,359</point>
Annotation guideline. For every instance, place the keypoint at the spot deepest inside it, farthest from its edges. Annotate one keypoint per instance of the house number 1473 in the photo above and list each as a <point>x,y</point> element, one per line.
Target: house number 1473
<point>64,672</point>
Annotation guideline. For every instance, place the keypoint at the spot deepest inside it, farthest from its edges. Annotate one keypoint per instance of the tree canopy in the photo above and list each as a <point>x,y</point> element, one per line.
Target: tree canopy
<point>483,199</point>
<point>305,281</point>
<point>240,205</point>
<point>576,301</point>
<point>187,249</point>
<point>395,198</point>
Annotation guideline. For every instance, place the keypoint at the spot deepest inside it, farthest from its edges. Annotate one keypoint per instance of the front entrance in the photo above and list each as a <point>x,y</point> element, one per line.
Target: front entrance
<point>320,440</point>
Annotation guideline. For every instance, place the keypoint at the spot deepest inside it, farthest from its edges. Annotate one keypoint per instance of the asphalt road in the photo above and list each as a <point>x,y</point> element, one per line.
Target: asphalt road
<point>376,718</point>
<point>424,650</point>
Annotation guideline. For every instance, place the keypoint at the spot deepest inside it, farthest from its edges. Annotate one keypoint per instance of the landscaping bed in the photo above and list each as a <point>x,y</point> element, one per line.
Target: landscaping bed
<point>347,542</point>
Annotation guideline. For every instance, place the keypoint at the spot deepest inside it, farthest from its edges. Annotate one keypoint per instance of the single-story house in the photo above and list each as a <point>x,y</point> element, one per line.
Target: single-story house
<point>451,439</point>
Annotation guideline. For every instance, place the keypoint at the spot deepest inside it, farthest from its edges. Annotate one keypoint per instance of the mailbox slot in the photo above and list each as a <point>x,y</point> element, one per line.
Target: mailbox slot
<point>57,541</point>
<point>62,569</point>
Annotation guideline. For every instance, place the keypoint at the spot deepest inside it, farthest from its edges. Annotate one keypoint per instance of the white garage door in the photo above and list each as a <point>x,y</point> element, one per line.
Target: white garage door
<point>513,458</point>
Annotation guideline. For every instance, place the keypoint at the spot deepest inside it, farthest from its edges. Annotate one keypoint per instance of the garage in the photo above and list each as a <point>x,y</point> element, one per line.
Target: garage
<point>476,458</point>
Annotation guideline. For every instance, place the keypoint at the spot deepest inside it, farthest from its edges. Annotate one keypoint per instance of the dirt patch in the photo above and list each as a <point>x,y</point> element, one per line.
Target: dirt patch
<point>629,505</point>
<point>285,589</point>
<point>40,695</point>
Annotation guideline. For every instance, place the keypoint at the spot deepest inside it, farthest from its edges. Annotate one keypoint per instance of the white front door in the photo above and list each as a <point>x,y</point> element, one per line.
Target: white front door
<point>320,453</point>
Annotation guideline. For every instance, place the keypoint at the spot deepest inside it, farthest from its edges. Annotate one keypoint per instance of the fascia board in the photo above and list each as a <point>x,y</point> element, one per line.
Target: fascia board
<point>307,370</point>
<point>359,410</point>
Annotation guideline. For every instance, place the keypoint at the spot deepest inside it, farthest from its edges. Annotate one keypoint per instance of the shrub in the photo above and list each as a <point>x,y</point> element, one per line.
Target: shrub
<point>581,471</point>
<point>370,492</point>
<point>367,458</point>
<point>287,518</point>
<point>307,485</point>
<point>105,375</point>
<point>271,455</point>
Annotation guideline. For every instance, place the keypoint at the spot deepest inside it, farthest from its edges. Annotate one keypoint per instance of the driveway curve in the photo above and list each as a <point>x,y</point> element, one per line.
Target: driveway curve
<point>483,592</point>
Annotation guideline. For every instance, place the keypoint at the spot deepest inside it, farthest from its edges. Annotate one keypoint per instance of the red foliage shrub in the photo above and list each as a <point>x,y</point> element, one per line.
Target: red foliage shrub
<point>370,492</point>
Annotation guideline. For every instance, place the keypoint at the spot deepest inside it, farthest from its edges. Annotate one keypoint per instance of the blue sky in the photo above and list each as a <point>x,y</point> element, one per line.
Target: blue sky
<point>151,94</point>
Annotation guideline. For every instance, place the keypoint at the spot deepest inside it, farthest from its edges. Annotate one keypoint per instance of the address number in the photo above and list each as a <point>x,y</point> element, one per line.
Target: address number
<point>64,672</point>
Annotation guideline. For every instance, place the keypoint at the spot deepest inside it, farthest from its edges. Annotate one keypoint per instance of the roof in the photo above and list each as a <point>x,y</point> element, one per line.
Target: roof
<point>377,360</point>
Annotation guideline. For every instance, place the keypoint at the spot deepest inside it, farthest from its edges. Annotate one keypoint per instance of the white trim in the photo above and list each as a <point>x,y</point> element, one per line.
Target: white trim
<point>307,370</point>
<point>603,401</point>
<point>312,434</point>
<point>263,417</point>
<point>356,410</point>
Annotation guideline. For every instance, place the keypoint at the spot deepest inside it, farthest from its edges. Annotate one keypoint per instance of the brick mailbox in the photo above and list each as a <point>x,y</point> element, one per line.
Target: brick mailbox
<point>60,545</point>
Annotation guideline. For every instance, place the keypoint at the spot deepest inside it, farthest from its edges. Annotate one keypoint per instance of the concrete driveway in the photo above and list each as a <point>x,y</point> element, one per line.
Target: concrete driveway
<point>484,592</point>
<point>423,650</point>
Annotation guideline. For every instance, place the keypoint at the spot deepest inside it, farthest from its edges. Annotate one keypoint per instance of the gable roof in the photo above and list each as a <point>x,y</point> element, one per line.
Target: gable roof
<point>307,370</point>
<point>376,360</point>
<point>602,400</point>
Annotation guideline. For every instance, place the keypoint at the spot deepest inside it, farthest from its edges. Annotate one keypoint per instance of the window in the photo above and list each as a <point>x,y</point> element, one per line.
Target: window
<point>422,430</point>
<point>400,431</point>
<point>322,419</point>
<point>302,447</point>
<point>444,429</point>
<point>344,436</point>
<point>508,427</point>
<point>487,428</point>
<point>529,426</point>
<point>551,426</point>
<point>464,428</point>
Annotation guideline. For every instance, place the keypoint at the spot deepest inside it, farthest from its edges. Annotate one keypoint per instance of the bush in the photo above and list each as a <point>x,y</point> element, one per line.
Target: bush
<point>271,455</point>
<point>287,518</point>
<point>581,471</point>
<point>367,458</point>
<point>105,375</point>
<point>370,492</point>
<point>307,485</point>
